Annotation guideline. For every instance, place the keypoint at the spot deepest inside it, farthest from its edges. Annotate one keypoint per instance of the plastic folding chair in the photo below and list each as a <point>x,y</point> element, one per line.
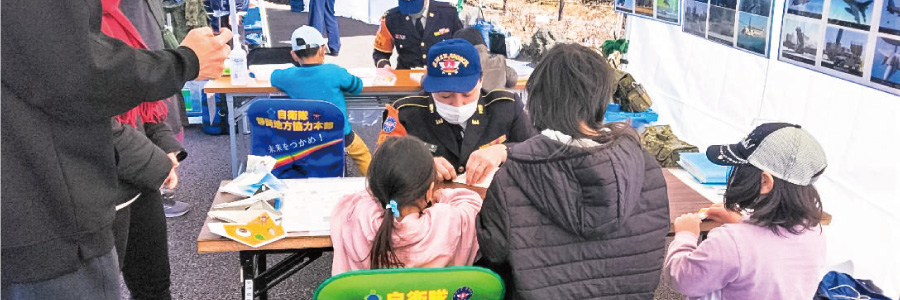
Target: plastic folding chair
<point>306,137</point>
<point>456,283</point>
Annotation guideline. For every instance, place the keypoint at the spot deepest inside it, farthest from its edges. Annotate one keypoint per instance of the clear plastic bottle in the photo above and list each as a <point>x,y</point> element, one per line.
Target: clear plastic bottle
<point>240,75</point>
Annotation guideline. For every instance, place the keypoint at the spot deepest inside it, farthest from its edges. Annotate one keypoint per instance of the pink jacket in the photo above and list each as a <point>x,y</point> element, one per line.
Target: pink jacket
<point>744,261</point>
<point>442,235</point>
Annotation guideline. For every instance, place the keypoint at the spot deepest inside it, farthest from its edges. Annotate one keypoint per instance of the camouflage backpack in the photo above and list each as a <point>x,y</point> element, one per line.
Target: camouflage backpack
<point>629,94</point>
<point>662,144</point>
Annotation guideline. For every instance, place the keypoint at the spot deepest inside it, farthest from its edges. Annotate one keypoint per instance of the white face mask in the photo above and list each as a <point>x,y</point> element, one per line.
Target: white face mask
<point>456,114</point>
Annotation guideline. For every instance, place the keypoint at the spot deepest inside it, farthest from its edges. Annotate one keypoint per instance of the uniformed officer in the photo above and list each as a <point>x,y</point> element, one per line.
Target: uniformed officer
<point>466,128</point>
<point>412,27</point>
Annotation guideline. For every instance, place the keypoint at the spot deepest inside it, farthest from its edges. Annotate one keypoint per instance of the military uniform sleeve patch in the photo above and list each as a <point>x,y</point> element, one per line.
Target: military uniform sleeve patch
<point>497,141</point>
<point>391,125</point>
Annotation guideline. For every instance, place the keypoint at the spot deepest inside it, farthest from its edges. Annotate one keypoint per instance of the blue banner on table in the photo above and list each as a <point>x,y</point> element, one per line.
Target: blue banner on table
<point>855,40</point>
<point>306,137</point>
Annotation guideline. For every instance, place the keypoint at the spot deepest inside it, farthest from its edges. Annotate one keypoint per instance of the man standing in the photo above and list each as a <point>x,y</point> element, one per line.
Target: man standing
<point>412,27</point>
<point>321,17</point>
<point>59,180</point>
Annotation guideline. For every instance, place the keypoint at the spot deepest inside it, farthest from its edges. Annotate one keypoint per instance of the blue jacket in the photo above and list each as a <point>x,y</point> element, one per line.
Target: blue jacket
<point>326,82</point>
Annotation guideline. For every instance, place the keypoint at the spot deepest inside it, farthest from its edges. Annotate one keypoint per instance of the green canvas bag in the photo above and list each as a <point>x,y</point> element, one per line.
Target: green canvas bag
<point>630,95</point>
<point>662,144</point>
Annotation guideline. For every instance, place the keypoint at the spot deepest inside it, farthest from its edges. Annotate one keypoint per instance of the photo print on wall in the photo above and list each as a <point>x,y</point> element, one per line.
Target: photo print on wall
<point>752,32</point>
<point>668,10</point>
<point>851,13</point>
<point>886,63</point>
<point>721,25</point>
<point>643,7</point>
<point>890,18</point>
<point>626,6</point>
<point>844,50</point>
<point>695,15</point>
<point>855,40</point>
<point>806,8</point>
<point>742,24</point>
<point>799,40</point>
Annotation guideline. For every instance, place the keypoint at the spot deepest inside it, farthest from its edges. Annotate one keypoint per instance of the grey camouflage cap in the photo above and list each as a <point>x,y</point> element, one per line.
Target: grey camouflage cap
<point>785,150</point>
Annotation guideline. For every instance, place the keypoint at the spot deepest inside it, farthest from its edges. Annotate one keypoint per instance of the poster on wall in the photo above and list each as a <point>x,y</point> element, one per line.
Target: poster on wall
<point>668,10</point>
<point>890,18</point>
<point>887,61</point>
<point>663,10</point>
<point>799,43</point>
<point>743,24</point>
<point>806,8</point>
<point>850,13</point>
<point>625,6</point>
<point>855,40</point>
<point>695,16</point>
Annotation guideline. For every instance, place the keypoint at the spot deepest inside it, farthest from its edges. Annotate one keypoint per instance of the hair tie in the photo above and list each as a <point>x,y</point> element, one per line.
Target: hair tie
<point>392,205</point>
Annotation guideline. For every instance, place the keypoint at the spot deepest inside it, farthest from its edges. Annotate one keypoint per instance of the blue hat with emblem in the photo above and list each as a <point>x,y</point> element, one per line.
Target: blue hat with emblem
<point>453,66</point>
<point>408,7</point>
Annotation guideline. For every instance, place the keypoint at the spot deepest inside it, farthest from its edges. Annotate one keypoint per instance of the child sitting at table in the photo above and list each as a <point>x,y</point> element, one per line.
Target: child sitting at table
<point>779,250</point>
<point>401,220</point>
<point>316,80</point>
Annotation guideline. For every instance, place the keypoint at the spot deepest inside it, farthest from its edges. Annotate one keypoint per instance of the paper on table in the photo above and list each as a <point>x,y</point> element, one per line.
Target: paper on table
<point>264,72</point>
<point>461,178</point>
<point>260,231</point>
<point>374,76</point>
<point>307,207</point>
<point>244,214</point>
<point>522,68</point>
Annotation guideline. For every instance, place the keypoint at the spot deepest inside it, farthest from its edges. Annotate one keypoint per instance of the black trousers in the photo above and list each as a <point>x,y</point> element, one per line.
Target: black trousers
<point>140,230</point>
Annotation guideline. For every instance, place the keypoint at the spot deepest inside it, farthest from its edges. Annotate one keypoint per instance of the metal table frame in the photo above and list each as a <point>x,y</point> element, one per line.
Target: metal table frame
<point>257,279</point>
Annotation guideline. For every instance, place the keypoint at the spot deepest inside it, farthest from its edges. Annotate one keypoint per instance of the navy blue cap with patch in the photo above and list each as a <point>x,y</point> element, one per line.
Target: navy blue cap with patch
<point>453,66</point>
<point>408,7</point>
<point>739,154</point>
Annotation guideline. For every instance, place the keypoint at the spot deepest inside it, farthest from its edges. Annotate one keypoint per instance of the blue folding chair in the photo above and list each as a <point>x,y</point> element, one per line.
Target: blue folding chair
<point>306,137</point>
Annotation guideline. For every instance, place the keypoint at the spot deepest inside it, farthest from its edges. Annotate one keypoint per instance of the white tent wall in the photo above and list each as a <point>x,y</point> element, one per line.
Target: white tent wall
<point>713,94</point>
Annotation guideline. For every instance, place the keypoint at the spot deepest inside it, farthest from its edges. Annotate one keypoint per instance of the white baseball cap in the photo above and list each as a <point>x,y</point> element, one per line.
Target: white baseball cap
<point>306,37</point>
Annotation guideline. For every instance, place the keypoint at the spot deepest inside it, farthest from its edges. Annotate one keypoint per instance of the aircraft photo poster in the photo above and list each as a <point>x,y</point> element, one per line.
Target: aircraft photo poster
<point>741,24</point>
<point>668,11</point>
<point>855,40</point>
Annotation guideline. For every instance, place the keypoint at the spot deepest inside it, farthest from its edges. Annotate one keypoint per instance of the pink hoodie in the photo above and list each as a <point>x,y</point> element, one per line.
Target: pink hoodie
<point>442,235</point>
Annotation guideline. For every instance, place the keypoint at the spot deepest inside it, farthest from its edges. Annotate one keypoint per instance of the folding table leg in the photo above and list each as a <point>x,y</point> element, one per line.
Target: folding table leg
<point>252,265</point>
<point>229,101</point>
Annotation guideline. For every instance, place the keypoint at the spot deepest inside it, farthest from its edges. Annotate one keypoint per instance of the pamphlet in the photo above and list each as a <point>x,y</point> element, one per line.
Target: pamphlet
<point>259,232</point>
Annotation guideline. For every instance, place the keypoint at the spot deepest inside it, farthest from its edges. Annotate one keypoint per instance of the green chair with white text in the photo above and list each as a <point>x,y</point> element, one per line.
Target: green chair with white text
<point>448,283</point>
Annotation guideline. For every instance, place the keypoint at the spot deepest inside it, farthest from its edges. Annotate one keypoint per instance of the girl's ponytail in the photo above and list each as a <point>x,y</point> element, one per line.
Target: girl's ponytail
<point>401,172</point>
<point>383,257</point>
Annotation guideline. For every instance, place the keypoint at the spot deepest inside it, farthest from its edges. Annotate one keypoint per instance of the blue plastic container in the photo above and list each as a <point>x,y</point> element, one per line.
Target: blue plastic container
<point>638,120</point>
<point>194,98</point>
<point>485,27</point>
<point>297,6</point>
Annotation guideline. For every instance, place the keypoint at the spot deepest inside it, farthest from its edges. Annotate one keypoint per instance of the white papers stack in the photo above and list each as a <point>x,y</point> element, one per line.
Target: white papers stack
<point>374,76</point>
<point>521,67</point>
<point>264,72</point>
<point>307,207</point>
<point>486,183</point>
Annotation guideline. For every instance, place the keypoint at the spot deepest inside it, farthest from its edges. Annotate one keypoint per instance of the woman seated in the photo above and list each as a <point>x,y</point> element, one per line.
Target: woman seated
<point>579,211</point>
<point>401,221</point>
<point>465,127</point>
